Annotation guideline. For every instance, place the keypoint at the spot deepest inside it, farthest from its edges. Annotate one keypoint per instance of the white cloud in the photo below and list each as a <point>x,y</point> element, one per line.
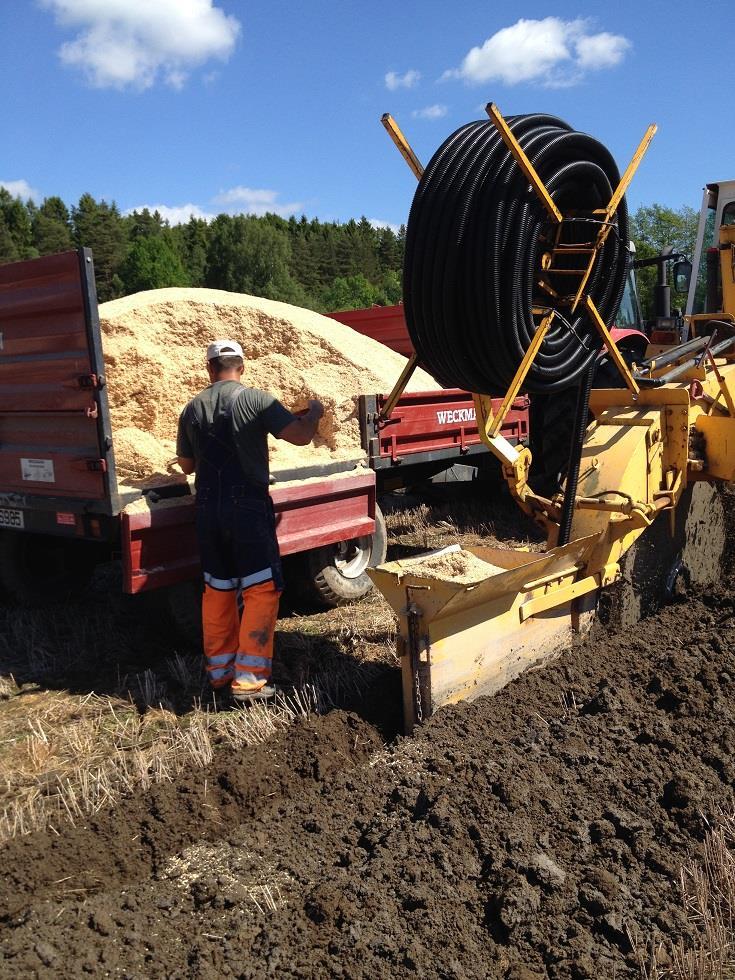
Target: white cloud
<point>249,200</point>
<point>130,43</point>
<point>598,51</point>
<point>237,200</point>
<point>430,112</point>
<point>379,223</point>
<point>176,215</point>
<point>551,52</point>
<point>20,188</point>
<point>410,78</point>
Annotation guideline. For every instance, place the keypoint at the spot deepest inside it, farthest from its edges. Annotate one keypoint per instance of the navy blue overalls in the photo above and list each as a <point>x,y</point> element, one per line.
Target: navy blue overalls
<point>239,555</point>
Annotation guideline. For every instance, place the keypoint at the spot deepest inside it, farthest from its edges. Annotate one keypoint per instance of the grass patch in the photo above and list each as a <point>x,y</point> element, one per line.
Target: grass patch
<point>84,754</point>
<point>99,699</point>
<point>708,897</point>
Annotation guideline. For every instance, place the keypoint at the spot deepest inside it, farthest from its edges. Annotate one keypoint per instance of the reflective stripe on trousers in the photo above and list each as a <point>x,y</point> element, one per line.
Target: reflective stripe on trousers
<point>239,650</point>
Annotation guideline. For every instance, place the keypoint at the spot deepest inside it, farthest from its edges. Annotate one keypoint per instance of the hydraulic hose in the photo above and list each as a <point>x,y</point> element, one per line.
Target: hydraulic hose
<point>475,239</point>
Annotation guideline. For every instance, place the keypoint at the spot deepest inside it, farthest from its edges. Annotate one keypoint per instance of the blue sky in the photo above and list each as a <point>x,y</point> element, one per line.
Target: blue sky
<point>248,105</point>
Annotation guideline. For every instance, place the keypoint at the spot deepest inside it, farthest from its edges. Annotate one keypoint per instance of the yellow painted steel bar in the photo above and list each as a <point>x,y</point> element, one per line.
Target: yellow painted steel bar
<point>402,144</point>
<point>523,162</point>
<point>723,386</point>
<point>558,596</point>
<point>495,423</point>
<point>629,173</point>
<point>612,347</point>
<point>612,208</point>
<point>588,270</point>
<point>400,386</point>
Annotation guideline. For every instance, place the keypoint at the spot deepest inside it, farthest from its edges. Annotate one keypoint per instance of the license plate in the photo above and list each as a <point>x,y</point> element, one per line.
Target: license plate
<point>11,518</point>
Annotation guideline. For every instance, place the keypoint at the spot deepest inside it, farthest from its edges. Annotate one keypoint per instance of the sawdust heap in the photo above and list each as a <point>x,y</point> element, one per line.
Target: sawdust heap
<point>138,454</point>
<point>458,566</point>
<point>154,345</point>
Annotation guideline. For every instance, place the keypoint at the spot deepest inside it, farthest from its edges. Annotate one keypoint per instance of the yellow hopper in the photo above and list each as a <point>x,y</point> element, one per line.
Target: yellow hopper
<point>459,640</point>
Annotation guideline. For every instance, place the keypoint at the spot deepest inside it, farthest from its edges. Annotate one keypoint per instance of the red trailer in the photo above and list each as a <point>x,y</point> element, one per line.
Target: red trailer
<point>427,431</point>
<point>62,509</point>
<point>386,324</point>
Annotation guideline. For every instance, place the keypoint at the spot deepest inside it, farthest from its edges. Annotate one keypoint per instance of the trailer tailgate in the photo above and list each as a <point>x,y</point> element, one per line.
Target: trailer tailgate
<point>386,324</point>
<point>55,439</point>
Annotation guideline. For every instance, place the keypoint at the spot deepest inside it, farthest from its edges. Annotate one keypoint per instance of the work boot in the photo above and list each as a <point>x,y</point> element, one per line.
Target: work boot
<point>266,693</point>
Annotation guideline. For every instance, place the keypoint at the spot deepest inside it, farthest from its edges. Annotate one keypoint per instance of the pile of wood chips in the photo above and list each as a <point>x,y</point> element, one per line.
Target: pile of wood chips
<point>155,360</point>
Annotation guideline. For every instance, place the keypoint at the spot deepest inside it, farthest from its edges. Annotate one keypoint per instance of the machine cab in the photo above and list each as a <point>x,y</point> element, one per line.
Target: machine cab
<point>717,212</point>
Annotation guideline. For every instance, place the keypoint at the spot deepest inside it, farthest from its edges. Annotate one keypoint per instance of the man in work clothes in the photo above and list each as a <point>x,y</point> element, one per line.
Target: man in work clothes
<point>223,436</point>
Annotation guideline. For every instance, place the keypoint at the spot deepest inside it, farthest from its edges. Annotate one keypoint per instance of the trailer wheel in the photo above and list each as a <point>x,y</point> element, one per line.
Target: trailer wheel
<point>40,569</point>
<point>336,574</point>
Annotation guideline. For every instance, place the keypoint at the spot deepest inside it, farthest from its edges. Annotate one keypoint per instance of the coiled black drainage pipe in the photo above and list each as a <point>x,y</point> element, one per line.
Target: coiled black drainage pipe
<point>475,239</point>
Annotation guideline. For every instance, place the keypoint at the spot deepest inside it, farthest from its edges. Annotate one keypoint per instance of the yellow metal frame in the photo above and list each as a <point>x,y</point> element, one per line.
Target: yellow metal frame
<point>493,422</point>
<point>459,641</point>
<point>404,148</point>
<point>400,386</point>
<point>523,162</point>
<point>612,208</point>
<point>620,362</point>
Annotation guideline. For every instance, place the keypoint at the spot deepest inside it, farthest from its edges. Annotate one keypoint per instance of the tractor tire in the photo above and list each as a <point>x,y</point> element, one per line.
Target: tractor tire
<point>336,574</point>
<point>661,567</point>
<point>42,569</point>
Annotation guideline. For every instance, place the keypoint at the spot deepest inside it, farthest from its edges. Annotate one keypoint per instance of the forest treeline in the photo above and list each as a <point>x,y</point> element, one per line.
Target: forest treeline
<point>316,264</point>
<point>320,265</point>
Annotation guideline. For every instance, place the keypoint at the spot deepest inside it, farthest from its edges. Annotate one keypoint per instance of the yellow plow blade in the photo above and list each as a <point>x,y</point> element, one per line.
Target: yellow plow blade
<point>459,641</point>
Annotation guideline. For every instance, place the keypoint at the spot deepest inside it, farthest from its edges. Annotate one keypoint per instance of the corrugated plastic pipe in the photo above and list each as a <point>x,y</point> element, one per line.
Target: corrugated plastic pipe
<point>475,238</point>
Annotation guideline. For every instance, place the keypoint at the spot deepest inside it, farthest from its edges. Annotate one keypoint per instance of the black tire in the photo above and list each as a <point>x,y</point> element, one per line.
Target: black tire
<point>41,569</point>
<point>336,573</point>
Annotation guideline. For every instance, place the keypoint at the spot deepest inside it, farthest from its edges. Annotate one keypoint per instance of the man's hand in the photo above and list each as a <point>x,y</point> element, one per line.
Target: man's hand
<point>315,410</point>
<point>302,430</point>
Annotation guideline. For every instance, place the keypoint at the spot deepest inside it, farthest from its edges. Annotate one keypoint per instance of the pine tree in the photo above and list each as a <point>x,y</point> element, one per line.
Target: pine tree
<point>100,227</point>
<point>17,221</point>
<point>142,224</point>
<point>52,227</point>
<point>152,263</point>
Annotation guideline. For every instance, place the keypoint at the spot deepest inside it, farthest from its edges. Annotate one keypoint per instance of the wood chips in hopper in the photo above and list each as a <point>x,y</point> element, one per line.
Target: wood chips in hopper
<point>155,348</point>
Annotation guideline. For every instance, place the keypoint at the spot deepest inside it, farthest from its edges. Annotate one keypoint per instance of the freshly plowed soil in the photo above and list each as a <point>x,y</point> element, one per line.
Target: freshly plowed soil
<point>520,836</point>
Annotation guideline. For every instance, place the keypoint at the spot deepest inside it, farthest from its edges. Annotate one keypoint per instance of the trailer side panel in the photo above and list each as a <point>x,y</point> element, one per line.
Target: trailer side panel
<point>54,421</point>
<point>159,545</point>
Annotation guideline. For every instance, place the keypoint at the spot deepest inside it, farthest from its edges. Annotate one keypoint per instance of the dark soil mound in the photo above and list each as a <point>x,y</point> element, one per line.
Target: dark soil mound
<point>516,837</point>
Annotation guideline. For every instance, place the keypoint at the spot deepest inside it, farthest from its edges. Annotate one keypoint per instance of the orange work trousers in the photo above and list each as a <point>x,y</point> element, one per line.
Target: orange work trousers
<point>239,649</point>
